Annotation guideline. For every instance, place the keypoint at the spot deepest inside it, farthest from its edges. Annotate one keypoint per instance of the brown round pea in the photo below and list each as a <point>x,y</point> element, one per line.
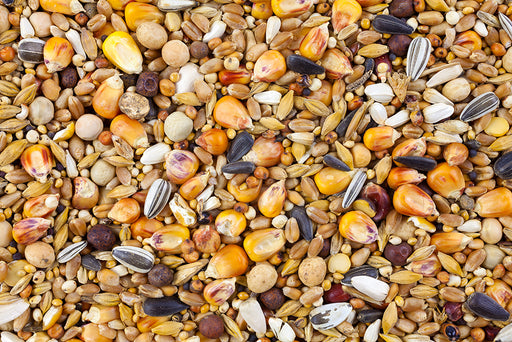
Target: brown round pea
<point>211,326</point>
<point>273,298</point>
<point>175,53</point>
<point>151,35</point>
<point>199,50</point>
<point>160,275</point>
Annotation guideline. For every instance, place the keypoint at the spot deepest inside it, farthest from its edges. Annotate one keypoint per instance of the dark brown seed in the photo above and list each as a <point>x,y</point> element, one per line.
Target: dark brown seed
<point>401,8</point>
<point>398,44</point>
<point>68,78</point>
<point>199,50</point>
<point>398,254</point>
<point>147,84</point>
<point>101,237</point>
<point>272,299</point>
<point>212,326</point>
<point>160,275</point>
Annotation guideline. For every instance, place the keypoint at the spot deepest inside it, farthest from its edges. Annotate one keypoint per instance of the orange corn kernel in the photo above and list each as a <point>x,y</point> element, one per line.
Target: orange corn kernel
<point>181,165</point>
<point>271,201</point>
<point>261,10</point>
<point>101,314</point>
<point>451,242</point>
<point>215,141</point>
<point>145,324</point>
<point>105,100</point>
<point>330,181</point>
<point>123,52</point>
<point>229,112</point>
<point>324,94</point>
<point>380,138</point>
<point>229,261</point>
<point>500,292</point>
<point>402,175</point>
<point>37,160</point>
<point>428,267</point>
<point>91,333</point>
<point>29,230</point>
<point>455,154</point>
<point>446,180</point>
<point>86,193</point>
<point>269,67</point>
<point>230,223</point>
<point>470,40</point>
<point>145,227</point>
<point>344,13</point>
<point>358,227</point>
<point>194,186</point>
<point>130,130</point>
<point>241,76</point>
<point>41,206</point>
<point>265,152</point>
<point>169,238</point>
<point>263,243</point>
<point>126,210</point>
<point>242,192</point>
<point>218,291</point>
<point>67,7</point>
<point>336,64</point>
<point>409,148</point>
<point>57,54</point>
<point>495,203</point>
<point>119,5</point>
<point>314,44</point>
<point>135,13</point>
<point>206,239</point>
<point>290,8</point>
<point>367,3</point>
<point>410,200</point>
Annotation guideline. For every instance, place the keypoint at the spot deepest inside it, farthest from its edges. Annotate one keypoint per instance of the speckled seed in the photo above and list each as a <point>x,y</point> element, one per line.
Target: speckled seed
<point>312,271</point>
<point>178,126</point>
<point>88,127</point>
<point>40,254</point>
<point>102,172</point>
<point>175,53</point>
<point>261,278</point>
<point>101,237</point>
<point>151,35</point>
<point>41,111</point>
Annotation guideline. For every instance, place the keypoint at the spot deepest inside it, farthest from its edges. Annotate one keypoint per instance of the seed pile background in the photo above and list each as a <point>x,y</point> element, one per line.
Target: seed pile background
<point>292,170</point>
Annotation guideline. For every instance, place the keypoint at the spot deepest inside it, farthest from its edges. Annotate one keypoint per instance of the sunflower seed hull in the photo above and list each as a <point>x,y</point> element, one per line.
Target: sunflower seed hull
<point>354,188</point>
<point>503,166</point>
<point>417,57</point>
<point>417,163</point>
<point>364,270</point>
<point>71,251</point>
<point>392,25</point>
<point>91,263</point>
<point>336,163</point>
<point>134,258</point>
<point>165,306</point>
<point>329,316</point>
<point>484,306</point>
<point>480,106</point>
<point>242,144</point>
<point>157,198</point>
<point>239,167</point>
<point>302,65</point>
<point>304,222</point>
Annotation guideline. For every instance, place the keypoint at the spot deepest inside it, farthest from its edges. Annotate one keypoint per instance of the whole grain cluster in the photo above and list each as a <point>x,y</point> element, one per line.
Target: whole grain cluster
<point>267,170</point>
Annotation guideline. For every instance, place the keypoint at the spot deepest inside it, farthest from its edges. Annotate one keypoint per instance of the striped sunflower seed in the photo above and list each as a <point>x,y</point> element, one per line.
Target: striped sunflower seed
<point>134,258</point>
<point>329,315</point>
<point>71,251</point>
<point>417,57</point>
<point>479,106</point>
<point>354,188</point>
<point>157,198</point>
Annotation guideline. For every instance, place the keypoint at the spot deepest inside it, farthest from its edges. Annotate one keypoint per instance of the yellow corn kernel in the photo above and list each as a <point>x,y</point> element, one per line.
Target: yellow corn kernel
<point>263,243</point>
<point>230,223</point>
<point>271,201</point>
<point>446,180</point>
<point>269,67</point>
<point>229,261</point>
<point>169,238</point>
<point>229,112</point>
<point>500,292</point>
<point>358,227</point>
<point>105,100</point>
<point>380,138</point>
<point>119,5</point>
<point>331,181</point>
<point>261,10</point>
<point>290,8</point>
<point>495,203</point>
<point>135,13</point>
<point>194,186</point>
<point>123,52</point>
<point>218,291</point>
<point>410,200</point>
<point>57,54</point>
<point>314,44</point>
<point>402,175</point>
<point>344,13</point>
<point>37,160</point>
<point>470,40</point>
<point>145,324</point>
<point>241,192</point>
<point>130,130</point>
<point>67,7</point>
<point>181,165</point>
<point>450,242</point>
